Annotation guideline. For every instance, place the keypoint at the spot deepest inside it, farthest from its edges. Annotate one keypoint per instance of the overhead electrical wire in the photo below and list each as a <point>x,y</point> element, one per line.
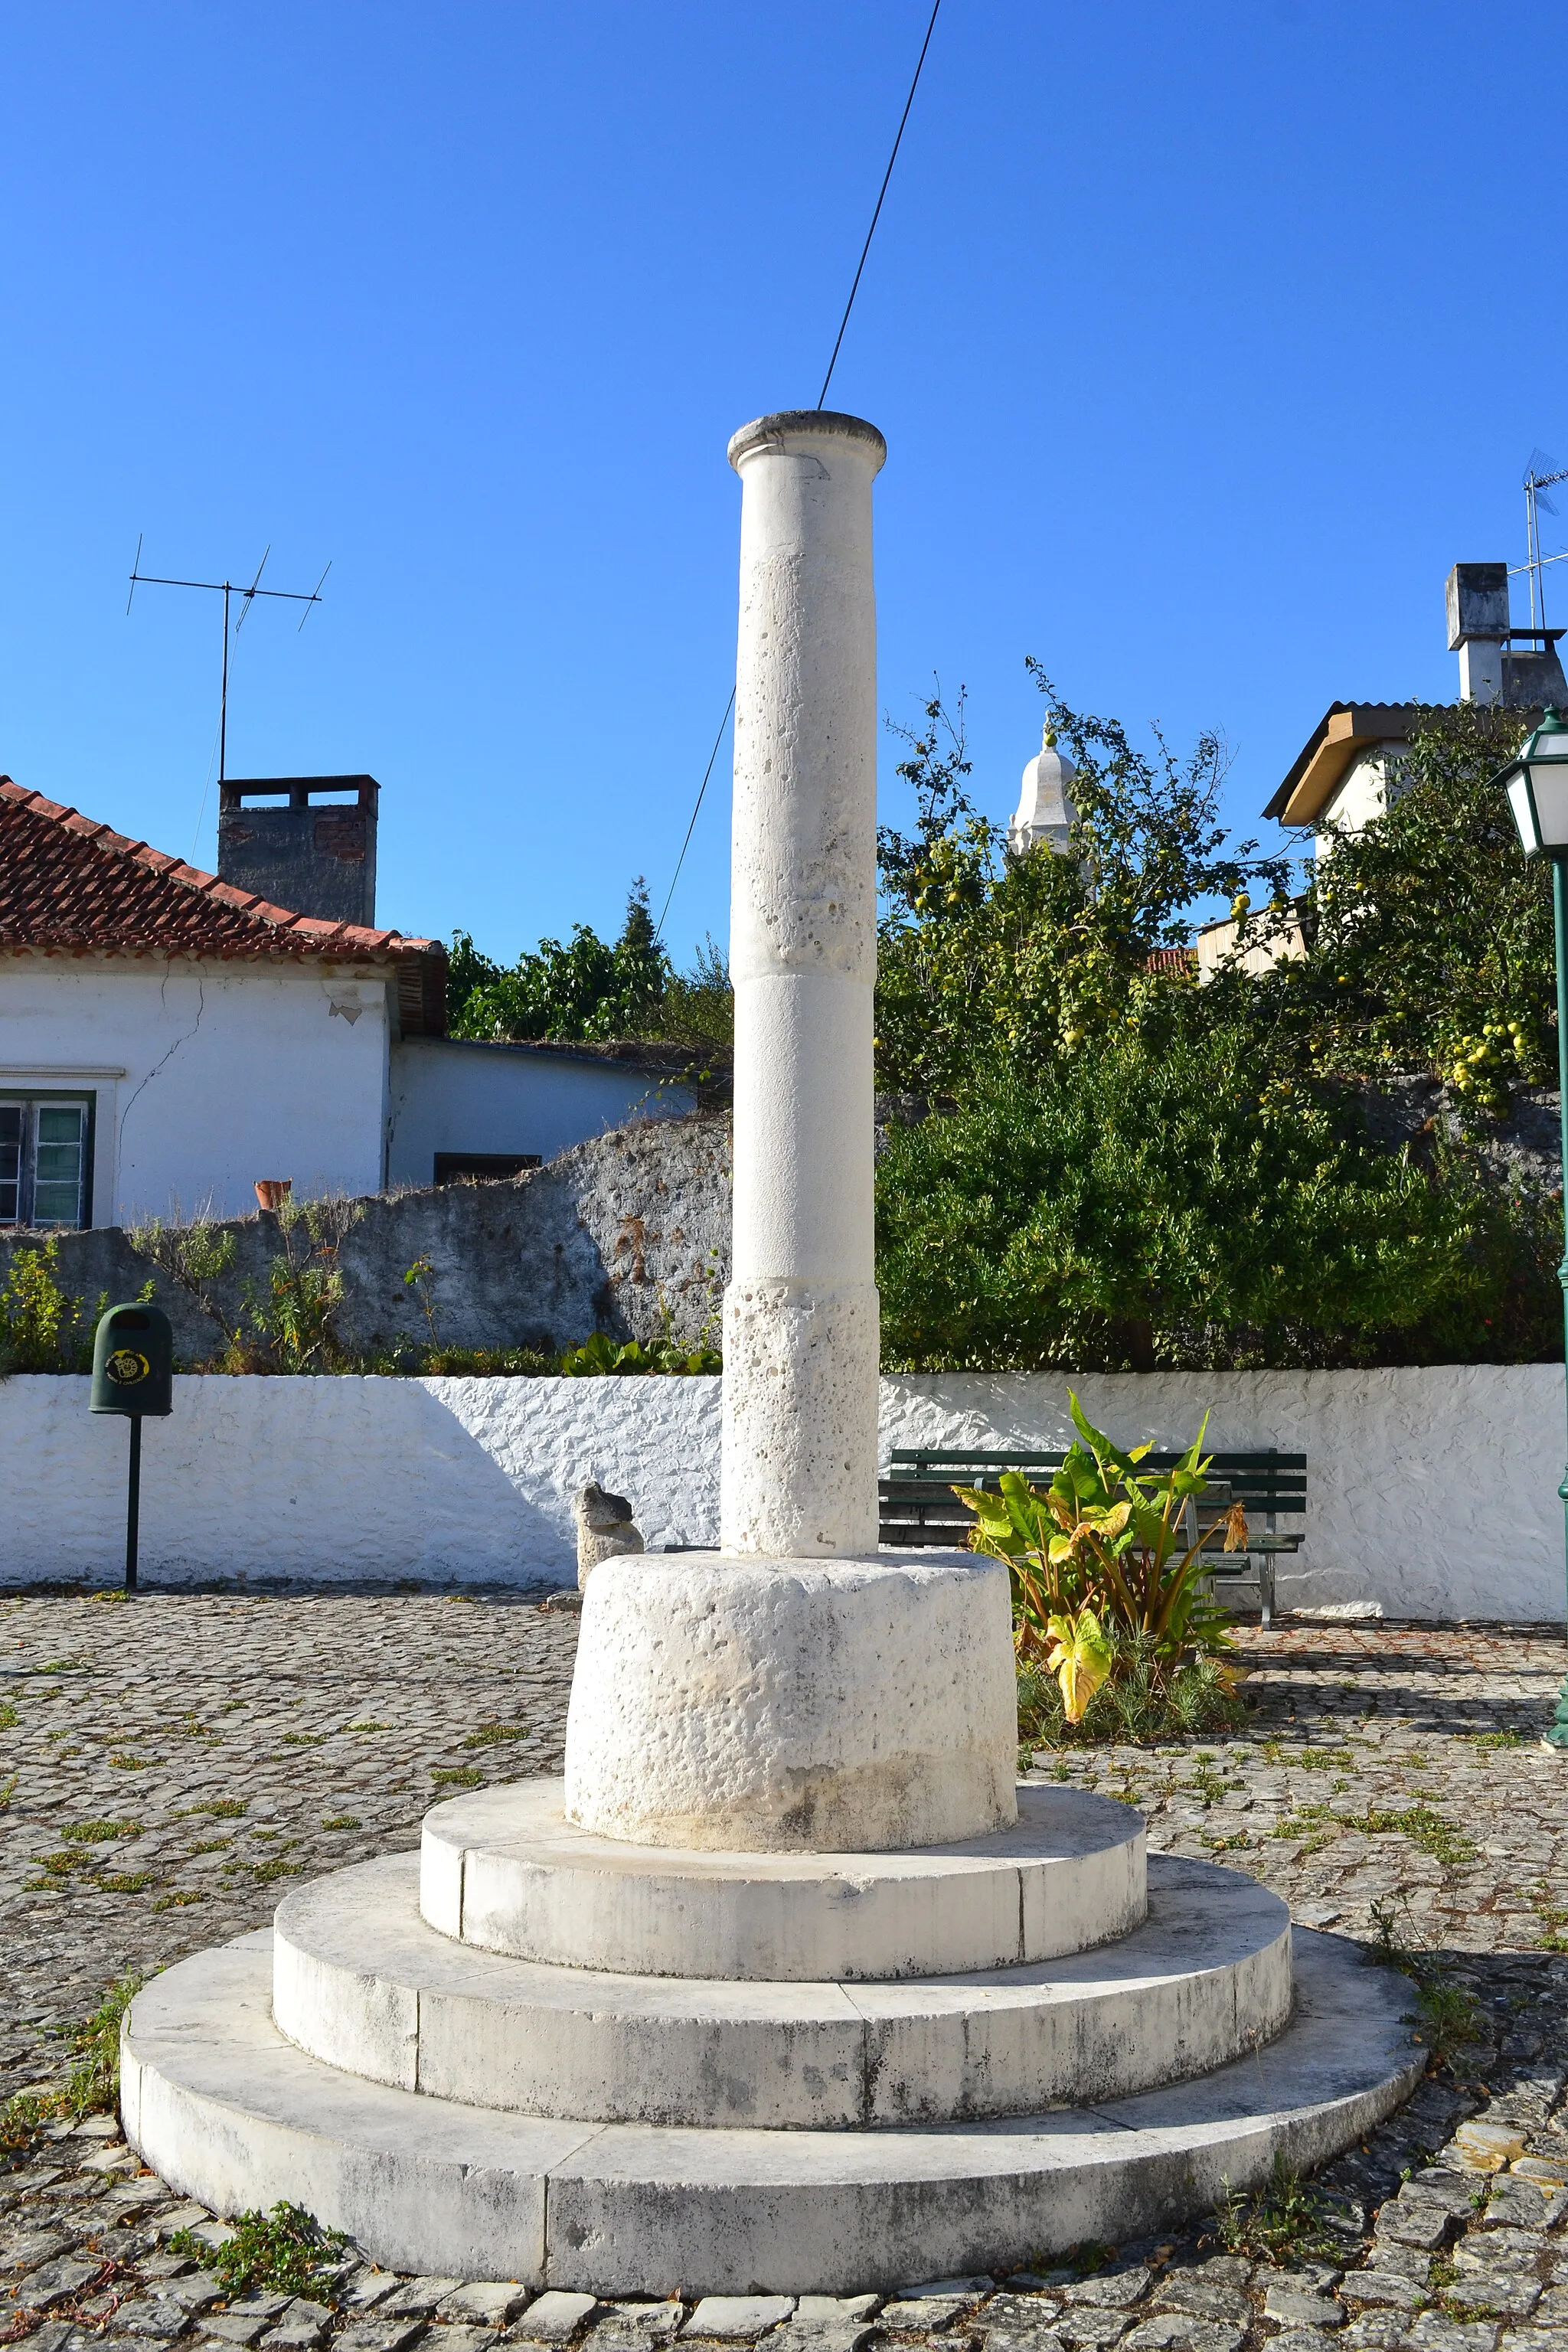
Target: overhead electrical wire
<point>707,771</point>
<point>876,216</point>
<point>821,397</point>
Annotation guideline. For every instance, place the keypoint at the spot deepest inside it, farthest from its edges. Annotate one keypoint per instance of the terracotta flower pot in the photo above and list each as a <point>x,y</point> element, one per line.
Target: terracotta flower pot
<point>271,1192</point>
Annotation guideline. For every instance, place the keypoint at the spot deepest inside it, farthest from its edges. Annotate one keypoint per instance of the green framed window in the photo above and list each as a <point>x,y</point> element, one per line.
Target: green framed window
<point>45,1159</point>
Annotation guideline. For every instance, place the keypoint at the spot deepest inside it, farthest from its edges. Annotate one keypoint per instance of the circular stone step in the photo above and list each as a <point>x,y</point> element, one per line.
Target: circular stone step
<point>503,1869</point>
<point>364,1983</point>
<point>230,2114</point>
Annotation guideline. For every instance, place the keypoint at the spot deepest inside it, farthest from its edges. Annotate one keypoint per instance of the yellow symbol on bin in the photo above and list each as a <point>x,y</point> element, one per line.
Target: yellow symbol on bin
<point>125,1367</point>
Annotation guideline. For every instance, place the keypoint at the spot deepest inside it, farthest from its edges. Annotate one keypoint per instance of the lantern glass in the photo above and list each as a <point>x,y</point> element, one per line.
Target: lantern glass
<point>1549,788</point>
<point>1537,788</point>
<point>1518,800</point>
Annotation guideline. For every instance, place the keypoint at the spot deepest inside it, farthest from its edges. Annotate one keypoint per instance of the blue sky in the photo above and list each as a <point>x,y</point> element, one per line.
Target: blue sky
<point>1204,339</point>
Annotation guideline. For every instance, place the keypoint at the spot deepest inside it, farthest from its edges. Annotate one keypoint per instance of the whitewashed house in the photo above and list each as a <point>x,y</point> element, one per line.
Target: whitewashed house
<point>1352,767</point>
<point>168,1037</point>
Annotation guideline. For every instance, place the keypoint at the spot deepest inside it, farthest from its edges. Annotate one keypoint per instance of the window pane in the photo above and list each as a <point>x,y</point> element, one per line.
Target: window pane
<point>57,1174</point>
<point>10,1160</point>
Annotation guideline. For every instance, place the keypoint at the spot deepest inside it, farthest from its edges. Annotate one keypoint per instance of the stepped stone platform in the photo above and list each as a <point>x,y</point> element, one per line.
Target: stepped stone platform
<point>506,1870</point>
<point>534,2112</point>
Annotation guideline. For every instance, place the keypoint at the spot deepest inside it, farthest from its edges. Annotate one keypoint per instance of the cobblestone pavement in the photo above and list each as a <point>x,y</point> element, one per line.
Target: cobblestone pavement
<point>173,1758</point>
<point>1389,1783</point>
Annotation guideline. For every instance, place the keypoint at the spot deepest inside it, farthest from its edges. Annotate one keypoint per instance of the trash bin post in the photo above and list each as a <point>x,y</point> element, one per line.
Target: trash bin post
<point>133,1374</point>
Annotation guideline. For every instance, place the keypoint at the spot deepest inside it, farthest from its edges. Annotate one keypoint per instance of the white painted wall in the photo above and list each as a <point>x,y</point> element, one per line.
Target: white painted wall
<point>205,1075</point>
<point>450,1094</point>
<point>452,1480</point>
<point>1363,793</point>
<point>1432,1491</point>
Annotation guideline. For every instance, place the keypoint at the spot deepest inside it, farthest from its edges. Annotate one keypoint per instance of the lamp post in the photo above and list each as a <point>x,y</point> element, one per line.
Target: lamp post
<point>1537,788</point>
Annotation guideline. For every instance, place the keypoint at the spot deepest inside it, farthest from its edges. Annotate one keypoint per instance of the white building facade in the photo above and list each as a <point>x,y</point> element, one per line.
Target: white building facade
<point>168,1040</point>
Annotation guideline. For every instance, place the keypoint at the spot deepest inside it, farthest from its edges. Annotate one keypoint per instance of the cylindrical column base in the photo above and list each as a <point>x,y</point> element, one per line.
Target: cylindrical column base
<point>759,1706</point>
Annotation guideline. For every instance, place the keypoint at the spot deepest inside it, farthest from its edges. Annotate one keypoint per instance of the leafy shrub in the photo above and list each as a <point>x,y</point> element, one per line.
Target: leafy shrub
<point>1109,1588</point>
<point>42,1328</point>
<point>1175,1206</point>
<point>599,1354</point>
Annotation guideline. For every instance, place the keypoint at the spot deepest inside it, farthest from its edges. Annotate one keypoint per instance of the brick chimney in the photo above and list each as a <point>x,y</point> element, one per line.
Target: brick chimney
<point>307,843</point>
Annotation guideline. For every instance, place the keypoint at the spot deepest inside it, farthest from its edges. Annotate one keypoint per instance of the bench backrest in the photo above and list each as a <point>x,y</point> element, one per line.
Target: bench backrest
<point>1267,1481</point>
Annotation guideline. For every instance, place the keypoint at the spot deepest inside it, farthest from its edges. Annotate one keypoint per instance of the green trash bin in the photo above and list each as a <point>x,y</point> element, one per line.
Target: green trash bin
<point>133,1362</point>
<point>133,1375</point>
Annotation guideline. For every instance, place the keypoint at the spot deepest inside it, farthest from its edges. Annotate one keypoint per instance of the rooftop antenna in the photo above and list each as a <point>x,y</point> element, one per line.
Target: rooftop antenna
<point>1539,476</point>
<point>227,590</point>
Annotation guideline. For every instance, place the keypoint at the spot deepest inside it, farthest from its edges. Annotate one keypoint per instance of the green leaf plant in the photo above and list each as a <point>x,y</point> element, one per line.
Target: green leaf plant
<point>1105,1550</point>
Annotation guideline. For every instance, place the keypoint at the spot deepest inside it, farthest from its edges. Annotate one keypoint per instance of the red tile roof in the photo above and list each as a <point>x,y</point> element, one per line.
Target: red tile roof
<point>67,882</point>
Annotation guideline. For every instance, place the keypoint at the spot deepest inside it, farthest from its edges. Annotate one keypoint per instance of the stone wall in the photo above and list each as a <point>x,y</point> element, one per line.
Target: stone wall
<point>1432,1491</point>
<point>619,1233</point>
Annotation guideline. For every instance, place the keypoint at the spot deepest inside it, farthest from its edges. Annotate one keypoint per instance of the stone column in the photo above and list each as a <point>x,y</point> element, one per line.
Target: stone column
<point>799,1689</point>
<point>801,1333</point>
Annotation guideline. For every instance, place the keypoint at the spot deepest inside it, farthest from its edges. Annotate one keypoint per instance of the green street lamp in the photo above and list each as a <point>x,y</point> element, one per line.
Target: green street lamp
<point>1537,788</point>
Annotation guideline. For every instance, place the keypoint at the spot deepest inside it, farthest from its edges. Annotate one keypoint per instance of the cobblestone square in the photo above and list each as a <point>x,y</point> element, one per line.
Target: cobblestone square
<point>166,1762</point>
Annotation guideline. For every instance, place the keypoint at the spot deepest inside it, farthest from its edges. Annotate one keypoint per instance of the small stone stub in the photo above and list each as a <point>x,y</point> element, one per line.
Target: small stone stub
<point>605,1530</point>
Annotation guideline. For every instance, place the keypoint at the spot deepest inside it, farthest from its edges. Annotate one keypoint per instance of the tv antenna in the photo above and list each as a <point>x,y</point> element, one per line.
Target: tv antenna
<point>1540,476</point>
<point>227,590</point>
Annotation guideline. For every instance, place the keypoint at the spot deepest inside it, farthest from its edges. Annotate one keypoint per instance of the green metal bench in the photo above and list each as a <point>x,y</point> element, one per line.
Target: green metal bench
<point>917,1505</point>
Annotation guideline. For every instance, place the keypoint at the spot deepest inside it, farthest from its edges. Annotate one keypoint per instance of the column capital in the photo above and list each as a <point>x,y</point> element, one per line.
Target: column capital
<point>791,432</point>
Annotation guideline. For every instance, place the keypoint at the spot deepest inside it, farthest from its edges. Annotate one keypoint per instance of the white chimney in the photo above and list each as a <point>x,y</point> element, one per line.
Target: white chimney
<point>1046,812</point>
<point>1479,628</point>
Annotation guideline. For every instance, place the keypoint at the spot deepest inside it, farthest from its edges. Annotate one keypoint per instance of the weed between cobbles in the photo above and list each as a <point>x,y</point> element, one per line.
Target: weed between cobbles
<point>285,2250</point>
<point>91,2086</point>
<point>1447,2015</point>
<point>1430,1831</point>
<point>1553,1918</point>
<point>1284,2222</point>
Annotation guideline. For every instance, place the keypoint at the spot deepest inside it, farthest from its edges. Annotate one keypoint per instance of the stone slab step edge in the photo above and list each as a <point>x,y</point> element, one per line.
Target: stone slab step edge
<point>503,1869</point>
<point>232,2114</point>
<point>362,1983</point>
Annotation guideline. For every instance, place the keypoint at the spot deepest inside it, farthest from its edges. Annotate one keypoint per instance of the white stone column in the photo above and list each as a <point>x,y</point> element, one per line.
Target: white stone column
<point>800,1688</point>
<point>800,1330</point>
